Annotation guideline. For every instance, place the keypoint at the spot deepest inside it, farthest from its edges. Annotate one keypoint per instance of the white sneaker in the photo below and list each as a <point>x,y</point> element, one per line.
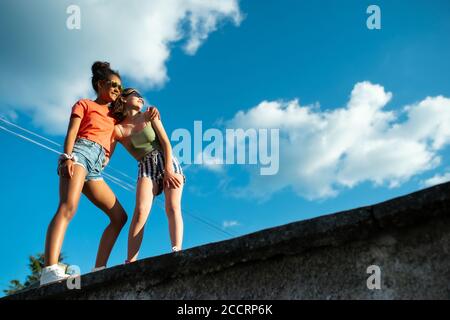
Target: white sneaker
<point>52,273</point>
<point>98,269</point>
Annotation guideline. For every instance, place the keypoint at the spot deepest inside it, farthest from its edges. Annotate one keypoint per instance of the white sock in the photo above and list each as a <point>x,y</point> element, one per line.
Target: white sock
<point>52,267</point>
<point>99,268</point>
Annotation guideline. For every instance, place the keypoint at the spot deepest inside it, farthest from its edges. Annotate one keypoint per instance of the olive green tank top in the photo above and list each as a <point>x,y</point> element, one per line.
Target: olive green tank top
<point>142,142</point>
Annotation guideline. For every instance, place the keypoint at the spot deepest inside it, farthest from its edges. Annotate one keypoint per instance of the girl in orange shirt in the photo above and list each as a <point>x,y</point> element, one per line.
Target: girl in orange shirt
<point>87,148</point>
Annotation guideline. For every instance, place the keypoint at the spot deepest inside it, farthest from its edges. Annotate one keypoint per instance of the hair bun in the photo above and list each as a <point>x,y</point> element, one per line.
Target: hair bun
<point>101,71</point>
<point>98,66</point>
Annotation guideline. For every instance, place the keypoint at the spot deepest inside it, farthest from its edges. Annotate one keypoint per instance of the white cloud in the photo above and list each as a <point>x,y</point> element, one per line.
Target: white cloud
<point>210,163</point>
<point>46,67</point>
<point>9,114</point>
<point>437,179</point>
<point>229,224</point>
<point>323,151</point>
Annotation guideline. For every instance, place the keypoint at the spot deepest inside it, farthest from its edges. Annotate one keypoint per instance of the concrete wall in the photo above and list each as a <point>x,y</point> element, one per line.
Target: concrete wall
<point>322,258</point>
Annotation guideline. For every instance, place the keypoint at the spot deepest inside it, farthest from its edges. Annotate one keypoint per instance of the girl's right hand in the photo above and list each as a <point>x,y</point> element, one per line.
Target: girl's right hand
<point>152,113</point>
<point>67,169</point>
<point>171,181</point>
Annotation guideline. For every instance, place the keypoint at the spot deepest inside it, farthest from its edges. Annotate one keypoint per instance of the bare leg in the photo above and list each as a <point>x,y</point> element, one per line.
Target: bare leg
<point>144,198</point>
<point>103,197</point>
<point>69,196</point>
<point>173,211</point>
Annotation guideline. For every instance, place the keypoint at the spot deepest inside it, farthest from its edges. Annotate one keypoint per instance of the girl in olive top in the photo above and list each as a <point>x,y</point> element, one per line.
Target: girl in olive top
<point>158,171</point>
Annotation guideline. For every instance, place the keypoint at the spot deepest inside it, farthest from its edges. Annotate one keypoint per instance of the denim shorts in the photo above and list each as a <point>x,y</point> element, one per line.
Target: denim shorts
<point>91,156</point>
<point>152,166</point>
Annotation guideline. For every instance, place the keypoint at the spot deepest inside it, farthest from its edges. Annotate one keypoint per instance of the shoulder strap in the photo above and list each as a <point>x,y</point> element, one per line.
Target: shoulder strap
<point>121,131</point>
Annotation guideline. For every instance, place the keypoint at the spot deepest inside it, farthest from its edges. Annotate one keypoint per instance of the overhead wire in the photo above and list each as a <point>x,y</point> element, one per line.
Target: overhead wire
<point>121,183</point>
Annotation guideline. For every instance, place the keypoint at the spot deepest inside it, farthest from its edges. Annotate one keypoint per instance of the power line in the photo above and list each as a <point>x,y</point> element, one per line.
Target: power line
<point>55,143</point>
<point>110,177</point>
<point>30,140</point>
<point>30,132</point>
<point>202,220</point>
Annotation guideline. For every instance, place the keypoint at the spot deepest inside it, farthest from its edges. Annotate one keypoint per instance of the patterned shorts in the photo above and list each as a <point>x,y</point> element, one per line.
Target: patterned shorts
<point>152,166</point>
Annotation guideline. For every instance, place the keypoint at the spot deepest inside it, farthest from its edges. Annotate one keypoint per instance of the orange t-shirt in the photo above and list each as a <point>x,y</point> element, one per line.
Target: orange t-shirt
<point>97,124</point>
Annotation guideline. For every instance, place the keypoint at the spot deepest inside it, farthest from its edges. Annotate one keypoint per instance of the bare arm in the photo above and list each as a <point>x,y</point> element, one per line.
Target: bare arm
<point>165,143</point>
<point>170,179</point>
<point>72,131</point>
<point>115,137</point>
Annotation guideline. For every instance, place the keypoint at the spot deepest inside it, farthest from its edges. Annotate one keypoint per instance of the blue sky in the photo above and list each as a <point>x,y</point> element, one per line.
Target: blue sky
<point>274,51</point>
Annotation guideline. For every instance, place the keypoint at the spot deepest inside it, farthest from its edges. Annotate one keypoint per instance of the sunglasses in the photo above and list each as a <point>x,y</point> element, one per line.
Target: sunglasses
<point>137,94</point>
<point>115,84</point>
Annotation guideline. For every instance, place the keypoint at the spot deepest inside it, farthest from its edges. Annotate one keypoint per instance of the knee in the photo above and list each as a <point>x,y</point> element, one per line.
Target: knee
<point>140,214</point>
<point>67,210</point>
<point>172,210</point>
<point>120,220</point>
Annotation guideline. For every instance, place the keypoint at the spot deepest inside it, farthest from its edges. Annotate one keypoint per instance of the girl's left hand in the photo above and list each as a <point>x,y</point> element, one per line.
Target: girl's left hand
<point>171,180</point>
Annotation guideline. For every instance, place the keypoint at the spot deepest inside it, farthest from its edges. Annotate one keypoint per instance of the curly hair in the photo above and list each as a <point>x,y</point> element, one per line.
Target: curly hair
<point>118,106</point>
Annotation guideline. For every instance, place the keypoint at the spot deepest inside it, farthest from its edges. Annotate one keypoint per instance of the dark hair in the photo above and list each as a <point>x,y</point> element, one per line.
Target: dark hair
<point>101,71</point>
<point>118,106</point>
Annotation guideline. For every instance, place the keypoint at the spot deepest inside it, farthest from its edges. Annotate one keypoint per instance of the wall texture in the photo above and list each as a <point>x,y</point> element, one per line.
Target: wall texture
<point>408,238</point>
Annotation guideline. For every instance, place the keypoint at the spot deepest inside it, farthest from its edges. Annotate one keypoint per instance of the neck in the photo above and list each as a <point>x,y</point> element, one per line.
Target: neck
<point>101,101</point>
<point>131,115</point>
